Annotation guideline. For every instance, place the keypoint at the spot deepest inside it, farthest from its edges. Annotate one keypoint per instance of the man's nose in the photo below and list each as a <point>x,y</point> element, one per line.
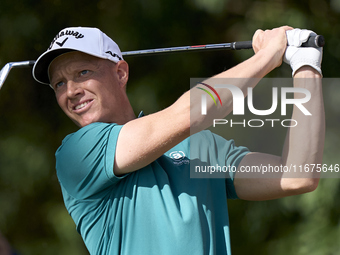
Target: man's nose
<point>74,89</point>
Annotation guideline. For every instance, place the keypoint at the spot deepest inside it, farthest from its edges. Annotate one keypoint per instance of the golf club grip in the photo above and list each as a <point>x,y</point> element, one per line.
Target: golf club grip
<point>243,45</point>
<point>315,41</point>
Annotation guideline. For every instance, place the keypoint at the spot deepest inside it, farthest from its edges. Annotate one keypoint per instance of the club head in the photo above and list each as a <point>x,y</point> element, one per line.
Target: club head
<point>4,73</point>
<point>7,68</point>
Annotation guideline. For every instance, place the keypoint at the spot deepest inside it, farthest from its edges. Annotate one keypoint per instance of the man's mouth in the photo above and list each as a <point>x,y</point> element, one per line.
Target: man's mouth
<point>82,105</point>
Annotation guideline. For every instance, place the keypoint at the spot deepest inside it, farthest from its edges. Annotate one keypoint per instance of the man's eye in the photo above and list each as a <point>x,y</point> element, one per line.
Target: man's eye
<point>84,72</point>
<point>59,84</point>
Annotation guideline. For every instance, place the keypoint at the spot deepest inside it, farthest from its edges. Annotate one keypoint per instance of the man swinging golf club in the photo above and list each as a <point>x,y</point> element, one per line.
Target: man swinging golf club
<point>120,183</point>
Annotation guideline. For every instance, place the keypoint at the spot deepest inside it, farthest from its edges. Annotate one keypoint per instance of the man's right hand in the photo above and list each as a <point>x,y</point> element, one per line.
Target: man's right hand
<point>273,42</point>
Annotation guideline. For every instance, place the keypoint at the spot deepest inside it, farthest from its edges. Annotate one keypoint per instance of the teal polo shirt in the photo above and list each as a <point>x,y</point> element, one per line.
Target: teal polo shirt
<point>157,210</point>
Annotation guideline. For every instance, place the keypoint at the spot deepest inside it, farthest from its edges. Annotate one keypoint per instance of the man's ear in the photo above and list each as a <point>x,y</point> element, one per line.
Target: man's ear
<point>122,68</point>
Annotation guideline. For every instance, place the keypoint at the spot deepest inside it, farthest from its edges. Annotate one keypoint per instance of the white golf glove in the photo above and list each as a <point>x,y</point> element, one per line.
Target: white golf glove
<point>297,56</point>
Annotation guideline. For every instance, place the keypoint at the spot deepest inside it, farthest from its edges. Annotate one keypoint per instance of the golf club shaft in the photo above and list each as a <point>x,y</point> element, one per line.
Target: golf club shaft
<point>313,41</point>
<point>228,46</point>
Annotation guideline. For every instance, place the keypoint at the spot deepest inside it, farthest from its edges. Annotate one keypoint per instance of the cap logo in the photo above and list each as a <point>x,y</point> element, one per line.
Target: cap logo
<point>114,55</point>
<point>76,35</point>
<point>62,43</point>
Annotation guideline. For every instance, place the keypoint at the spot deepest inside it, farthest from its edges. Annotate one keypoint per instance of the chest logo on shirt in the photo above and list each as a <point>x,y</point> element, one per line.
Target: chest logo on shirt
<point>179,158</point>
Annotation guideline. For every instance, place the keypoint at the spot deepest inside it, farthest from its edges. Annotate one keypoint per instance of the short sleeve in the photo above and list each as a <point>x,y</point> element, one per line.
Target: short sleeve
<point>231,156</point>
<point>216,151</point>
<point>85,160</point>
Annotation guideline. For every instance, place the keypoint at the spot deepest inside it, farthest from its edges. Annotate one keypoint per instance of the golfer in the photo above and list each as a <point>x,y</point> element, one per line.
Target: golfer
<point>125,180</point>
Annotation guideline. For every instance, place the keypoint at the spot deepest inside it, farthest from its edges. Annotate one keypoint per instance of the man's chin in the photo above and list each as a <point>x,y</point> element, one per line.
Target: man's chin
<point>83,123</point>
<point>86,120</point>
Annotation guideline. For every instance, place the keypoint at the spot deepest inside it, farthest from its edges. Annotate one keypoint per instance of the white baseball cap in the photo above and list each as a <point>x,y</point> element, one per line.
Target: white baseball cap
<point>91,41</point>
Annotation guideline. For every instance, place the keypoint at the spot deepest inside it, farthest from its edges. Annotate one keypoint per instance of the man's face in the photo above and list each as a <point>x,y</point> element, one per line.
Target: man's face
<point>88,89</point>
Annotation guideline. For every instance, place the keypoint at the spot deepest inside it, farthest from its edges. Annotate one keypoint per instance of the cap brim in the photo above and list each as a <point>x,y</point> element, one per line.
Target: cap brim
<point>40,69</point>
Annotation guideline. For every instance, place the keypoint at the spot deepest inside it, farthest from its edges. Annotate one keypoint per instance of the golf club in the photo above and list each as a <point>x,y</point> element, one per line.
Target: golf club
<point>7,68</point>
<point>313,41</point>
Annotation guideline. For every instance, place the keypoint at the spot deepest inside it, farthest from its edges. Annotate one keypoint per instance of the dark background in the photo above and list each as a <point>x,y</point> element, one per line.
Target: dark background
<point>32,214</point>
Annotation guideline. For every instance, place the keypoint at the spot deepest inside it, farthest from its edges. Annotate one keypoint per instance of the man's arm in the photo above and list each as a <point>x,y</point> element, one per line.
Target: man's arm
<point>303,146</point>
<point>143,140</point>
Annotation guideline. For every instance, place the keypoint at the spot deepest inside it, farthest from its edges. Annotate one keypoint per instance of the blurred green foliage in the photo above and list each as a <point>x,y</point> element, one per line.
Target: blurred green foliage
<point>32,215</point>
